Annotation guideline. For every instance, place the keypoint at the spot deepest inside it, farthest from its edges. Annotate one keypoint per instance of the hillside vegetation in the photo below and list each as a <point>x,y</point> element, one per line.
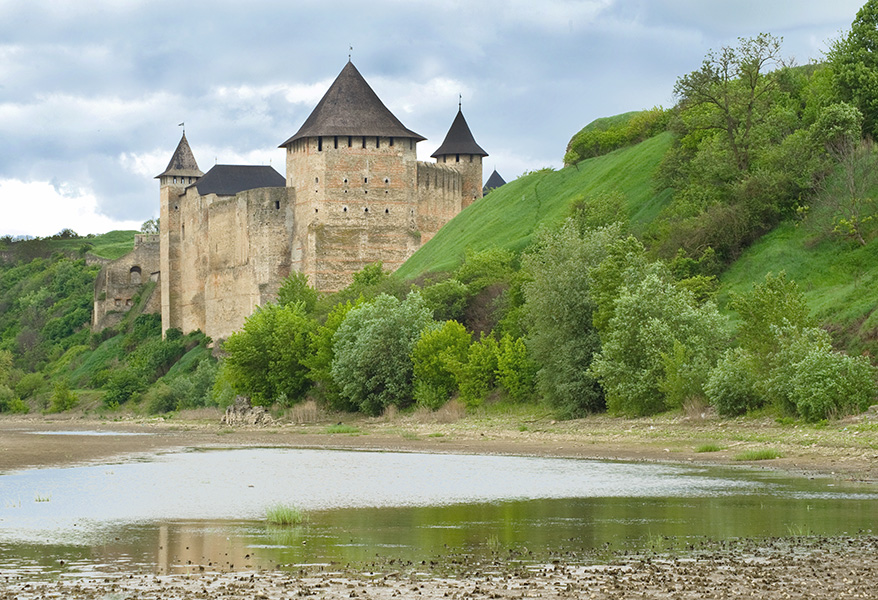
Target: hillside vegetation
<point>720,253</point>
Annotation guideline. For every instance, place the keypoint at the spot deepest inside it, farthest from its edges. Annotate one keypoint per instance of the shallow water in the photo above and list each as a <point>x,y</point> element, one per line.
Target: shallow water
<point>205,509</point>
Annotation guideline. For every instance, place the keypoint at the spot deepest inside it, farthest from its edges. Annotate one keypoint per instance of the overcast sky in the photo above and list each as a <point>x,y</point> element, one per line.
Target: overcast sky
<point>92,91</point>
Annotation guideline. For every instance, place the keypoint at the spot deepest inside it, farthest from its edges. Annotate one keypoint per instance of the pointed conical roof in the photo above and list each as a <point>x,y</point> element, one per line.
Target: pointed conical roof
<point>351,107</point>
<point>494,181</point>
<point>182,162</point>
<point>459,140</point>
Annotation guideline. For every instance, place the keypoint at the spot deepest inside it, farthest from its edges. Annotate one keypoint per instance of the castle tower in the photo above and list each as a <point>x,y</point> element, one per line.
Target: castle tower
<point>460,151</point>
<point>182,171</point>
<point>354,167</point>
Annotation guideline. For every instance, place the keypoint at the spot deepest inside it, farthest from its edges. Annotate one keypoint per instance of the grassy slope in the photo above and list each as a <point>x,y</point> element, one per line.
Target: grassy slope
<point>839,279</point>
<point>508,216</point>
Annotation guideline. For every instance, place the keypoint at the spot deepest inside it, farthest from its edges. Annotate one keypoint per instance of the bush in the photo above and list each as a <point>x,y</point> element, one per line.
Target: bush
<point>434,357</point>
<point>30,385</point>
<point>654,320</point>
<point>159,398</point>
<point>373,345</point>
<point>62,398</point>
<point>477,376</point>
<point>266,358</point>
<point>515,371</point>
<point>122,385</point>
<point>830,384</point>
<point>732,386</point>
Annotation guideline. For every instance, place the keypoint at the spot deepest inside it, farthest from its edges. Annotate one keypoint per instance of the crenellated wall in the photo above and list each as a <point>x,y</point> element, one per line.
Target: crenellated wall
<point>349,202</point>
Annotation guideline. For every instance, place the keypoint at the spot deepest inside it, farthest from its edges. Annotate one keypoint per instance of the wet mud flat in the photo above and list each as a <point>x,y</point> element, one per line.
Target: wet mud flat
<point>796,567</point>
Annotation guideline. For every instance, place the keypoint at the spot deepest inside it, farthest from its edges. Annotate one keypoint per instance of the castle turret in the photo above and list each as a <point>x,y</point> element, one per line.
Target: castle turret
<point>354,167</point>
<point>461,152</point>
<point>182,172</point>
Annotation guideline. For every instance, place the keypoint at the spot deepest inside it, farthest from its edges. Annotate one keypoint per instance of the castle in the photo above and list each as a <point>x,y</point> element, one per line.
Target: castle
<point>354,194</point>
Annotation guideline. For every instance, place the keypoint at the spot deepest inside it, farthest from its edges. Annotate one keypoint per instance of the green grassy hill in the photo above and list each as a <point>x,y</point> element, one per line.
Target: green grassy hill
<point>839,278</point>
<point>508,216</point>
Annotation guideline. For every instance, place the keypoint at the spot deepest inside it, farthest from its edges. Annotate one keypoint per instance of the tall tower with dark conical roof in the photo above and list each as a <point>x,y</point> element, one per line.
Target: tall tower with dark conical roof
<point>460,151</point>
<point>354,167</point>
<point>182,169</point>
<point>182,172</point>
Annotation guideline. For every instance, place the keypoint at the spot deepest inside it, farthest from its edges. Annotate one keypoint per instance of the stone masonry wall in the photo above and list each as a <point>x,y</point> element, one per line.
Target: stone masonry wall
<point>120,280</point>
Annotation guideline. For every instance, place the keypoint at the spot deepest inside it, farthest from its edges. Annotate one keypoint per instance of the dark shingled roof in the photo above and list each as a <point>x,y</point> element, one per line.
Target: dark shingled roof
<point>351,107</point>
<point>459,140</point>
<point>228,180</point>
<point>183,162</point>
<point>494,181</point>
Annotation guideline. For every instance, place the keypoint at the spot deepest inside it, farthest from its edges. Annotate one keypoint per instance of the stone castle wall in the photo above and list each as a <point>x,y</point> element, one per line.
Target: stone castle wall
<point>120,280</point>
<point>348,202</point>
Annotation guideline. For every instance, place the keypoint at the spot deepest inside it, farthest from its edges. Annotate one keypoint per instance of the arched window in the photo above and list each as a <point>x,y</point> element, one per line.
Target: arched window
<point>135,276</point>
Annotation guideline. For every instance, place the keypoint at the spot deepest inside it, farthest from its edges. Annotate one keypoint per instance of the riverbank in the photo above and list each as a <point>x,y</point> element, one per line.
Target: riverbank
<point>792,567</point>
<point>774,569</point>
<point>846,449</point>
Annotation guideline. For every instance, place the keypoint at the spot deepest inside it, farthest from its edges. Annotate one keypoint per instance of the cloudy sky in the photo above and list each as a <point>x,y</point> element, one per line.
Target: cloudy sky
<point>92,91</point>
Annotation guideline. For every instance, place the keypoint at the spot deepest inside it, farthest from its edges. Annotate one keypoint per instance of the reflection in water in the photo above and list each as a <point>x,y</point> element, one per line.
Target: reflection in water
<point>203,510</point>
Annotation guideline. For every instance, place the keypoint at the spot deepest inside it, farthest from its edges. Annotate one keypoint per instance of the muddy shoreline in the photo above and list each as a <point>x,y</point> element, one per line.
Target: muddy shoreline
<point>794,567</point>
<point>848,450</point>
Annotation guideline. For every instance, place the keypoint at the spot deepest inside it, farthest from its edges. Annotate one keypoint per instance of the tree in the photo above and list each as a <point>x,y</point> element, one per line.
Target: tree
<point>434,357</point>
<point>266,358</point>
<point>854,63</point>
<point>319,361</point>
<point>731,92</point>
<point>657,338</point>
<point>372,364</point>
<point>295,288</point>
<point>559,311</point>
<point>150,226</point>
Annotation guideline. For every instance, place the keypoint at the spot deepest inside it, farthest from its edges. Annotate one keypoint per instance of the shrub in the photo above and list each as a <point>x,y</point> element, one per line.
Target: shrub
<point>434,357</point>
<point>372,364</point>
<point>30,385</point>
<point>515,371</point>
<point>653,320</point>
<point>62,398</point>
<point>477,376</point>
<point>159,398</point>
<point>732,386</point>
<point>122,385</point>
<point>830,384</point>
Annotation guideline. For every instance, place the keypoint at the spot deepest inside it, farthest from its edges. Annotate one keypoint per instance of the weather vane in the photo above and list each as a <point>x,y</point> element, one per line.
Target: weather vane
<point>460,102</point>
<point>350,50</point>
<point>183,125</point>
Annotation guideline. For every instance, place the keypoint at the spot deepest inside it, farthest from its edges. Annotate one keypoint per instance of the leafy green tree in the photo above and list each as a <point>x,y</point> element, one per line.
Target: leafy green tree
<point>434,357</point>
<point>559,311</point>
<point>656,326</point>
<point>295,288</point>
<point>854,65</point>
<point>774,302</point>
<point>319,362</point>
<point>516,372</point>
<point>477,375</point>
<point>266,357</point>
<point>63,398</point>
<point>372,364</point>
<point>150,226</point>
<point>732,92</point>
